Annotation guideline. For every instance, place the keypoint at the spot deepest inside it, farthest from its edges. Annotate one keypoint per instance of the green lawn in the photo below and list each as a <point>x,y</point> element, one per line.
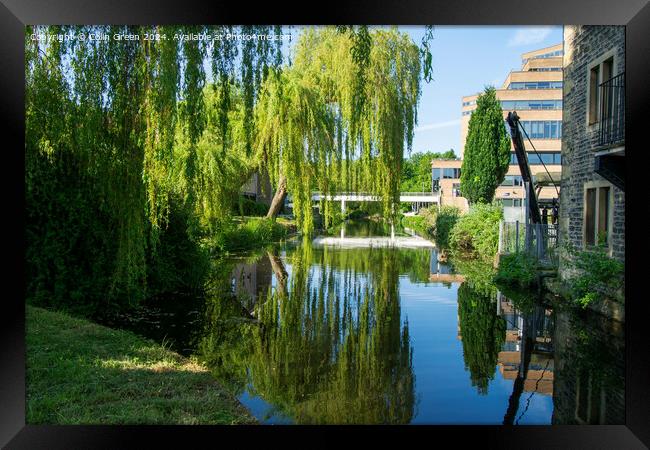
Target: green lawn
<point>82,373</point>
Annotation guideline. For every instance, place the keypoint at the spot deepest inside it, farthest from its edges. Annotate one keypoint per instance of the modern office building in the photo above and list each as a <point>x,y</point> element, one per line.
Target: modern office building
<point>535,92</point>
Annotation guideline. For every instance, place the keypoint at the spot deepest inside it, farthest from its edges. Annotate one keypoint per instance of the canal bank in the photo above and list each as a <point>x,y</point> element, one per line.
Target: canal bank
<point>79,372</point>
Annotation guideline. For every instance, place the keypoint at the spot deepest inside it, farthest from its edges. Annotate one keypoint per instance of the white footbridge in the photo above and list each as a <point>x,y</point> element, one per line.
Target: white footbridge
<point>404,197</point>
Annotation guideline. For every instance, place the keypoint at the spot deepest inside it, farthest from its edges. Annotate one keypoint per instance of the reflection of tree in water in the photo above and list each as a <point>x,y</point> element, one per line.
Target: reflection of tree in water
<point>329,347</point>
<point>483,334</point>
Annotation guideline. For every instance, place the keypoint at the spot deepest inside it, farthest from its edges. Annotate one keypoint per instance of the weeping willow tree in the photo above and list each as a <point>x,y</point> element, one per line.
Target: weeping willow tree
<point>347,97</point>
<point>120,136</point>
<point>125,139</point>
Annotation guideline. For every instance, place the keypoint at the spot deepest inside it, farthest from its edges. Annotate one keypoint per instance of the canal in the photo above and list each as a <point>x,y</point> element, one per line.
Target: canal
<point>305,333</point>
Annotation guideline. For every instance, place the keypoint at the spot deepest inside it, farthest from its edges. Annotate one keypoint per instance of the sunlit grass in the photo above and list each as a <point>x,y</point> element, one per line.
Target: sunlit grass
<point>82,373</point>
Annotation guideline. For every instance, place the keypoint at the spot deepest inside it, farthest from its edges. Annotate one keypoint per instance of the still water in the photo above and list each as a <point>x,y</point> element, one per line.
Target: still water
<point>313,335</point>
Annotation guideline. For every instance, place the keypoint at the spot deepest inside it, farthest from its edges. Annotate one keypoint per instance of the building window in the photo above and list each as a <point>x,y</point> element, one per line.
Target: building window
<point>450,173</point>
<point>435,179</point>
<point>455,190</point>
<point>542,129</point>
<point>598,73</point>
<point>548,158</point>
<point>523,105</point>
<point>535,85</point>
<point>512,180</point>
<point>512,202</point>
<point>597,215</point>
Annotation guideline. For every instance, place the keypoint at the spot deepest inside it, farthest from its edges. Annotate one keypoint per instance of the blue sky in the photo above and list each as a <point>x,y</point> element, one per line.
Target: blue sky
<point>465,60</point>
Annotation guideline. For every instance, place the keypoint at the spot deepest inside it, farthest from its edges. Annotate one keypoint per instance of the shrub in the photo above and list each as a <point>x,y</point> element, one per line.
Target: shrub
<point>598,275</point>
<point>419,224</point>
<point>248,207</point>
<point>517,269</point>
<point>251,234</point>
<point>477,232</point>
<point>445,220</point>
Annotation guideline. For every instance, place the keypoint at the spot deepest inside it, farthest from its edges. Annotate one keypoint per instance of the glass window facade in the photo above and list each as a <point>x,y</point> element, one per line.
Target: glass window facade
<point>450,173</point>
<point>512,180</point>
<point>544,55</point>
<point>542,129</point>
<point>511,201</point>
<point>535,85</point>
<point>548,158</point>
<point>523,105</point>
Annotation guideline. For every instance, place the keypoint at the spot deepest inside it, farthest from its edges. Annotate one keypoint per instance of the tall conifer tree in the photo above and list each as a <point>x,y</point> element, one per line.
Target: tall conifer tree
<point>487,150</point>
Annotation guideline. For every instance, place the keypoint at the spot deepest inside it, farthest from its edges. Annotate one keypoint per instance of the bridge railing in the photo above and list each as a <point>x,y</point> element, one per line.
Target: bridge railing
<point>538,240</point>
<point>373,194</point>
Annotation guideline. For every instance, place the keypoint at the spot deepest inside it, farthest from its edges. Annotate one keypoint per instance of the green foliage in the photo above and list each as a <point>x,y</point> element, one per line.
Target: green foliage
<point>128,147</point>
<point>417,223</point>
<point>433,224</point>
<point>340,117</point>
<point>416,170</point>
<point>517,269</point>
<point>477,232</point>
<point>487,150</point>
<point>445,221</point>
<point>598,275</point>
<point>127,150</point>
<point>247,207</point>
<point>255,232</point>
<point>479,274</point>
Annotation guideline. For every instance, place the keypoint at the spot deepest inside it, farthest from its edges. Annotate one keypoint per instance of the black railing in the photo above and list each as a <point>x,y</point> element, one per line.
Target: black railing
<point>612,111</point>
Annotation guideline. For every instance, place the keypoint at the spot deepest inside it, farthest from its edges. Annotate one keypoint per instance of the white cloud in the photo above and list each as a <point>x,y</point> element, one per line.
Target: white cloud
<point>433,126</point>
<point>529,36</point>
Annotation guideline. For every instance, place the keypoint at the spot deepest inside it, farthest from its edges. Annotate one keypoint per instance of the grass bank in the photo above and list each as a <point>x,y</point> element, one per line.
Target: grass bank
<point>82,373</point>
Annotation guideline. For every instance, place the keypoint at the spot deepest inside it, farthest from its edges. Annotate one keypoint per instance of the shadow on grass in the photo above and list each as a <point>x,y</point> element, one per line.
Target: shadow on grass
<point>82,373</point>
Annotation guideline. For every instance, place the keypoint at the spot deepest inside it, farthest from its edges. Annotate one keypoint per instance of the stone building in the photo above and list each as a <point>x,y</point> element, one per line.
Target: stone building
<point>592,200</point>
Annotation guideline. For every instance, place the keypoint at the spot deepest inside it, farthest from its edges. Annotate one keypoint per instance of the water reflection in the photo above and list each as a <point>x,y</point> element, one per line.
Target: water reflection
<point>589,385</point>
<point>388,335</point>
<point>328,346</point>
<point>323,335</point>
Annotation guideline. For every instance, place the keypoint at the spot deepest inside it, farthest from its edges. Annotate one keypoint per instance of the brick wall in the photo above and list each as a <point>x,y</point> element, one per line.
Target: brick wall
<point>583,45</point>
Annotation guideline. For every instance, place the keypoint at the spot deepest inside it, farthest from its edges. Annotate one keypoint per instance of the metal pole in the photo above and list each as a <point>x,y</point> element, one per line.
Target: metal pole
<point>540,241</point>
<point>501,237</point>
<point>517,236</point>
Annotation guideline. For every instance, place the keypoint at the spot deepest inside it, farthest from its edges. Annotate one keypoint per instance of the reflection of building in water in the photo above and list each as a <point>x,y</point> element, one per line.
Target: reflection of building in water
<point>249,280</point>
<point>590,373</point>
<point>442,272</point>
<point>538,326</point>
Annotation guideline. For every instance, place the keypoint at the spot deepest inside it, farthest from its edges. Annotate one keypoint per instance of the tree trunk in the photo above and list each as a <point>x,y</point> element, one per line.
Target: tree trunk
<point>280,272</point>
<point>278,198</point>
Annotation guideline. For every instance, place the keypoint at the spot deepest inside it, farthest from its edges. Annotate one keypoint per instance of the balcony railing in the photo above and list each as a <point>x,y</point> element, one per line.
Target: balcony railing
<point>612,111</point>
